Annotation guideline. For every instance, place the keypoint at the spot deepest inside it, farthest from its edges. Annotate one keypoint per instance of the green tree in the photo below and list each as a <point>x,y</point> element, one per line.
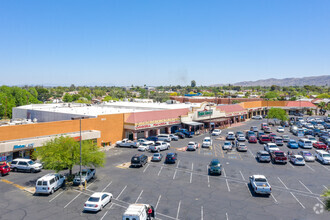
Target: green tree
<point>271,95</point>
<point>67,98</point>
<point>278,113</point>
<point>193,83</point>
<point>327,200</point>
<point>43,94</point>
<point>64,152</point>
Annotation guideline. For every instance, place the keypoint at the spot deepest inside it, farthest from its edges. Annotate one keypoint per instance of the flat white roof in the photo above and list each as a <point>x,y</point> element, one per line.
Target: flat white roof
<point>104,108</point>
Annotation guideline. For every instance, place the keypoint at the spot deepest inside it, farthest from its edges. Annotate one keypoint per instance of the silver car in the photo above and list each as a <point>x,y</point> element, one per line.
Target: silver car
<point>157,157</point>
<point>263,156</point>
<point>241,137</point>
<point>308,156</point>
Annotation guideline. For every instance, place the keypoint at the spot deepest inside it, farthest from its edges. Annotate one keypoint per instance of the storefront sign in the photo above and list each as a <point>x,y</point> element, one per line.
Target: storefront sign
<point>204,113</point>
<point>23,146</point>
<point>156,124</point>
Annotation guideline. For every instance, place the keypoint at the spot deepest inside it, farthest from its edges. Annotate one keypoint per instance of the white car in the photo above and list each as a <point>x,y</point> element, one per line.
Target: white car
<point>258,117</point>
<point>207,142</point>
<point>308,156</point>
<point>260,184</point>
<point>216,132</point>
<point>297,160</point>
<point>241,146</point>
<point>97,201</point>
<point>192,146</point>
<point>269,147</point>
<point>227,145</point>
<point>322,156</point>
<point>49,183</point>
<point>280,129</point>
<point>145,147</point>
<point>241,137</point>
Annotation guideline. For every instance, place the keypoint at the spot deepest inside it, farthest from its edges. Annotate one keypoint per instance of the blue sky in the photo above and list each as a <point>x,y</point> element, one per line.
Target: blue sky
<point>161,42</point>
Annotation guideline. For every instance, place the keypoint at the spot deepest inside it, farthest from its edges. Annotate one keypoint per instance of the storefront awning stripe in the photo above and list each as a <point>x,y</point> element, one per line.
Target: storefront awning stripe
<point>193,123</point>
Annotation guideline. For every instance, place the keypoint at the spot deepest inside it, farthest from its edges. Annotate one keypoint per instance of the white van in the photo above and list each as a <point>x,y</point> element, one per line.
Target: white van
<point>28,165</point>
<point>322,156</point>
<point>138,212</point>
<point>305,143</point>
<point>164,137</point>
<point>49,183</point>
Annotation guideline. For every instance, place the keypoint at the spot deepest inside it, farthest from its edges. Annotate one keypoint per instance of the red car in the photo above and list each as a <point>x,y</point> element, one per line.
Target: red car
<point>264,139</point>
<point>253,139</point>
<point>4,168</point>
<point>320,145</point>
<point>278,157</point>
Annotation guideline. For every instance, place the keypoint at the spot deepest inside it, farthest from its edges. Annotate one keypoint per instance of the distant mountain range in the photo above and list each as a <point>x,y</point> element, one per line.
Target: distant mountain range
<point>312,80</point>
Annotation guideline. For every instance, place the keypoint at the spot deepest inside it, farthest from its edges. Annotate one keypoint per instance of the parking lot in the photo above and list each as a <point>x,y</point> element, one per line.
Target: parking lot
<point>183,190</point>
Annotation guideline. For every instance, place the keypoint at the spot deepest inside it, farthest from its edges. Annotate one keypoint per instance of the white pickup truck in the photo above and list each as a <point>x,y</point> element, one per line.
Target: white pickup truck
<point>86,175</point>
<point>139,212</point>
<point>127,143</point>
<point>159,146</point>
<point>260,184</point>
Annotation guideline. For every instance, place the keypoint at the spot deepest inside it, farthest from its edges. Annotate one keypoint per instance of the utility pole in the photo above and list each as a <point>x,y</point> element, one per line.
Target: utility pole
<point>80,185</point>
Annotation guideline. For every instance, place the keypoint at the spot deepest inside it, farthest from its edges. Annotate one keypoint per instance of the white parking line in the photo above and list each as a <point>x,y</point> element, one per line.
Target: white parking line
<point>72,200</point>
<point>310,167</point>
<point>325,187</point>
<point>174,173</point>
<point>202,214</point>
<point>227,216</point>
<point>227,185</point>
<point>274,198</point>
<point>121,192</point>
<point>242,175</point>
<point>89,185</point>
<point>320,201</point>
<point>177,166</point>
<point>326,168</point>
<point>106,186</point>
<point>160,170</point>
<point>177,214</point>
<point>247,186</point>
<point>139,197</point>
<point>160,196</point>
<point>208,181</point>
<point>297,200</point>
<point>224,172</point>
<point>291,164</point>
<point>190,177</point>
<point>146,168</point>
<point>305,187</point>
<point>282,183</point>
<point>250,152</point>
<point>56,196</point>
<point>104,214</point>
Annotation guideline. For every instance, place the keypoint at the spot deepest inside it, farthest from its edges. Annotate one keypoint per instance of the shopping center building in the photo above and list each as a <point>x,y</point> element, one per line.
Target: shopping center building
<point>107,123</point>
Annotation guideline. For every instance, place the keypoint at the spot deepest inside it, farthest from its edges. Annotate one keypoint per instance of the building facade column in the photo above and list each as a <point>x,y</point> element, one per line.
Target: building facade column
<point>146,133</point>
<point>158,131</point>
<point>134,135</point>
<point>168,130</point>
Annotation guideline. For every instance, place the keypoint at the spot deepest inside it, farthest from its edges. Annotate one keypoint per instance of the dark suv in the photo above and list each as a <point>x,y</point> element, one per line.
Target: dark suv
<point>215,167</point>
<point>139,160</point>
<point>171,157</point>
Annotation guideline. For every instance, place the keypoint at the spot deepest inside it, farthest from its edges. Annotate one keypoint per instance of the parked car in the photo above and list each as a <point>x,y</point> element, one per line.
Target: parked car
<point>145,146</point>
<point>27,165</point>
<point>207,142</point>
<point>280,129</point>
<point>139,212</point>
<point>269,147</point>
<point>253,139</point>
<point>97,201</point>
<point>254,128</point>
<point>238,133</point>
<point>267,129</point>
<point>278,157</point>
<point>263,156</point>
<point>127,143</point>
<point>216,132</point>
<point>285,138</point>
<point>192,146</point>
<point>293,144</point>
<point>157,157</point>
<point>257,117</point>
<point>4,168</point>
<point>230,136</point>
<point>322,156</point>
<point>320,145</point>
<point>215,167</point>
<point>284,124</point>
<point>180,135</point>
<point>164,137</point>
<point>171,157</point>
<point>305,143</point>
<point>227,145</point>
<point>260,184</point>
<point>278,141</point>
<point>49,183</point>
<point>263,125</point>
<point>272,136</point>
<point>248,134</point>
<point>240,146</point>
<point>187,133</point>
<point>152,138</point>
<point>241,137</point>
<point>260,133</point>
<point>308,156</point>
<point>311,138</point>
<point>159,146</point>
<point>139,160</point>
<point>86,176</point>
<point>264,139</point>
<point>325,139</point>
<point>174,137</point>
<point>297,160</point>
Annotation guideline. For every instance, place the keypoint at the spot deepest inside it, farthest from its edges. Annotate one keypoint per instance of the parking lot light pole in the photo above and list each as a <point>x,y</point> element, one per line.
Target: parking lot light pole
<point>80,185</point>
